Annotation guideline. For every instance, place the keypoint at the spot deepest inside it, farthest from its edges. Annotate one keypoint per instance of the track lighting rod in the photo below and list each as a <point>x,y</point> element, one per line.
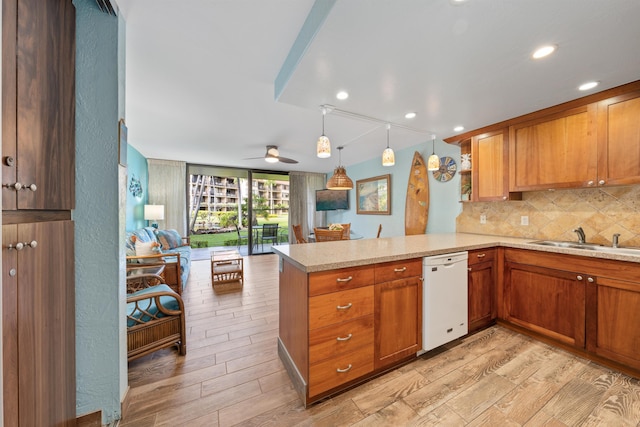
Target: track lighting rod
<point>330,109</point>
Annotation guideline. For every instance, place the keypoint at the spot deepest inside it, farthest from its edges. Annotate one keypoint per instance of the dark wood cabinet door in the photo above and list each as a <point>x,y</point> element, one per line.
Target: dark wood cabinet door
<point>613,316</point>
<point>38,104</point>
<point>39,324</point>
<point>550,302</point>
<point>482,294</point>
<point>398,320</point>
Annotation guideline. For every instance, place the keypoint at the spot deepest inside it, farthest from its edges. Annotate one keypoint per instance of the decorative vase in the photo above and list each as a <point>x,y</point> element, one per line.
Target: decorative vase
<point>465,164</point>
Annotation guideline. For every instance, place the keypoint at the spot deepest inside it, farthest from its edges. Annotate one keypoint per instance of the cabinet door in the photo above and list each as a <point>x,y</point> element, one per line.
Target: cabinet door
<point>554,152</point>
<point>482,294</point>
<point>550,302</point>
<point>398,320</point>
<point>619,140</point>
<point>39,324</point>
<point>612,320</point>
<point>38,105</point>
<point>490,177</point>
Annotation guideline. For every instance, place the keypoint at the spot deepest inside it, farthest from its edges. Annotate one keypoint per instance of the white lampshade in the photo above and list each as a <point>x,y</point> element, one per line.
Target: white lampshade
<point>388,157</point>
<point>433,164</point>
<point>323,147</point>
<point>153,212</point>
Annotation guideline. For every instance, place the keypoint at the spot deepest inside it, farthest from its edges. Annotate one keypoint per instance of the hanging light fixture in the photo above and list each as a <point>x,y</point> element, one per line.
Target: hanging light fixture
<point>388,158</point>
<point>323,146</point>
<point>433,164</point>
<point>339,180</point>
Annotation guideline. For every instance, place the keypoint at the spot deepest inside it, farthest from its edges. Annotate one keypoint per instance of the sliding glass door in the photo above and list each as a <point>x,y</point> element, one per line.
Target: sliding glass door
<point>236,208</point>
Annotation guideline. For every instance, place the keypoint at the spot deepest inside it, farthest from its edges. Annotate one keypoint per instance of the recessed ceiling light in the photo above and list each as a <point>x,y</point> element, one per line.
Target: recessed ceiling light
<point>410,115</point>
<point>342,95</point>
<point>588,85</point>
<point>543,51</point>
<point>458,128</point>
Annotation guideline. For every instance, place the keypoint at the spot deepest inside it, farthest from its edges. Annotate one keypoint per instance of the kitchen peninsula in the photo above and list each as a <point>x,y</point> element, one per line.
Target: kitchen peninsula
<point>352,309</point>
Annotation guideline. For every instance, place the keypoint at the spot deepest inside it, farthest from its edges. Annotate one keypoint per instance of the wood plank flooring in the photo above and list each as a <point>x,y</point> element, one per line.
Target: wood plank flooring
<point>231,375</point>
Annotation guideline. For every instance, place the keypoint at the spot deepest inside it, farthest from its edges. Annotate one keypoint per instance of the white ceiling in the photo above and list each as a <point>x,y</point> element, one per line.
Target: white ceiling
<point>200,73</point>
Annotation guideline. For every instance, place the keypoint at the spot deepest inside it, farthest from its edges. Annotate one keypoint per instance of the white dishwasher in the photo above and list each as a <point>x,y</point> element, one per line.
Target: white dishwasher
<point>444,293</point>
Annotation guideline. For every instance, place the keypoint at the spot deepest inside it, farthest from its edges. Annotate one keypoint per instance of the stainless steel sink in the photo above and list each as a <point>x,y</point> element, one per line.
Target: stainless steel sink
<point>588,247</point>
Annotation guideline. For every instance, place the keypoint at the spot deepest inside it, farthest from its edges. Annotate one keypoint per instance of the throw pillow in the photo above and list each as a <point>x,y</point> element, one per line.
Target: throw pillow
<point>147,248</point>
<point>169,239</point>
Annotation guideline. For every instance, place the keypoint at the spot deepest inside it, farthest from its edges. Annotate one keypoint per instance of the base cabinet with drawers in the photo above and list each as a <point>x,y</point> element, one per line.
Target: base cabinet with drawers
<point>341,326</point>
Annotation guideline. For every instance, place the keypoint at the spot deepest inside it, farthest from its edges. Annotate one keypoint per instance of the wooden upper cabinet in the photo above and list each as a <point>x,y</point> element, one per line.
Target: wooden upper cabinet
<point>489,152</point>
<point>38,106</point>
<point>557,151</point>
<point>619,140</point>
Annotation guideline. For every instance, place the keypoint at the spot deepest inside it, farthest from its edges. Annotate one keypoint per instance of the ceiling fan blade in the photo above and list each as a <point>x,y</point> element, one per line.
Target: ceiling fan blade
<point>287,160</point>
<point>253,158</point>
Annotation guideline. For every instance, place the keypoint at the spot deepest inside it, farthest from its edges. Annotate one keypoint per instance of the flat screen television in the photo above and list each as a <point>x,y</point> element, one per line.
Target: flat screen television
<point>331,200</point>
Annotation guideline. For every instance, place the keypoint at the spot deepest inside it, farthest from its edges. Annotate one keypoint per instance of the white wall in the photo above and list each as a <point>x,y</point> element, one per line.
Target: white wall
<point>444,198</point>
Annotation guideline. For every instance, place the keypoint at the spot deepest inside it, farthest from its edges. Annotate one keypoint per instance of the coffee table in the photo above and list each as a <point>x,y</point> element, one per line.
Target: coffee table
<point>226,267</point>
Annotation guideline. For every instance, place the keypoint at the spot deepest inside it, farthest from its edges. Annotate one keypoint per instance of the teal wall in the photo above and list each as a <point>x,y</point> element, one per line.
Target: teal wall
<point>444,205</point>
<point>137,175</point>
<point>99,263</point>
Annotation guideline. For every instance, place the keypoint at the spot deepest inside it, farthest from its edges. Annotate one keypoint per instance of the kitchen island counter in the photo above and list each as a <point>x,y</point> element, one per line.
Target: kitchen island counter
<point>324,256</point>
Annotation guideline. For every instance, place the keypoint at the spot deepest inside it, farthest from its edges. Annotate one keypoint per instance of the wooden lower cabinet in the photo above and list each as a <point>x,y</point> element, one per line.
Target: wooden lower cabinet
<point>548,301</point>
<point>482,288</point>
<point>38,324</point>
<point>341,326</point>
<point>613,320</point>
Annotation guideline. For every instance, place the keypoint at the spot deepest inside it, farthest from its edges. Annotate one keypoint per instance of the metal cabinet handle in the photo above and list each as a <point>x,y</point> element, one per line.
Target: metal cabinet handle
<point>348,279</point>
<point>18,186</point>
<point>400,270</point>
<point>590,280</point>
<point>504,197</point>
<point>344,307</point>
<point>347,369</point>
<point>590,183</point>
<point>482,255</point>
<point>347,338</point>
<point>601,182</point>
<point>20,246</point>
<point>579,277</point>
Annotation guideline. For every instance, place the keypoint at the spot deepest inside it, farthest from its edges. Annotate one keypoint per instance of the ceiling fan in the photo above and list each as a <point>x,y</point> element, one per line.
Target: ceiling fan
<point>273,156</point>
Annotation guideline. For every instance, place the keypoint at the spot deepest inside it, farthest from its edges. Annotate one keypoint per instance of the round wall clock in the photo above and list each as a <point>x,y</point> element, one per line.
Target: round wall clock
<point>447,169</point>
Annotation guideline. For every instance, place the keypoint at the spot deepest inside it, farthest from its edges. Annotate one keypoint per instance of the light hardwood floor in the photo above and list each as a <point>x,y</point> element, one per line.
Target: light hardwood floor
<point>231,375</point>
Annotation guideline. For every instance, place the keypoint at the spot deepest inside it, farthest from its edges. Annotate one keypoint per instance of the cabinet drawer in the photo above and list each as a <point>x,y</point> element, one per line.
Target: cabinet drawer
<point>338,307</point>
<point>339,370</point>
<point>335,340</point>
<point>338,280</point>
<point>398,270</point>
<point>481,255</point>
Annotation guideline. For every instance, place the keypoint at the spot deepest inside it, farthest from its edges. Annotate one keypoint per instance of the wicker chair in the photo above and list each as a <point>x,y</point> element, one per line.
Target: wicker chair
<point>297,231</point>
<point>324,235</point>
<point>155,320</point>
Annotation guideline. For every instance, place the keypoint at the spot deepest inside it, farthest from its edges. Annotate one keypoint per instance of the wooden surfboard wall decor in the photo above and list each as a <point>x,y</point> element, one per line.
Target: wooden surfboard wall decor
<point>416,209</point>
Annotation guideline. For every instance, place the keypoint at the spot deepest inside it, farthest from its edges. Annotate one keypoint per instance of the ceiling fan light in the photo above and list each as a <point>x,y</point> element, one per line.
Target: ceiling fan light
<point>340,180</point>
<point>323,147</point>
<point>271,159</point>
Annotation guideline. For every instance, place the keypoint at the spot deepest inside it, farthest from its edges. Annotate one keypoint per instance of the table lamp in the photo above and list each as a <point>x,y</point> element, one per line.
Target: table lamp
<point>154,213</point>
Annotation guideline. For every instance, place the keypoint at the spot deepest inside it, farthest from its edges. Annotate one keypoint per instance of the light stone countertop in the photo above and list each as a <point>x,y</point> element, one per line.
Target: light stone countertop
<point>313,257</point>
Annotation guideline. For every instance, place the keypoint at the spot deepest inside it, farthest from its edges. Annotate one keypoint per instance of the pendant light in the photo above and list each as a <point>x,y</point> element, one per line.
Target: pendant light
<point>323,146</point>
<point>339,180</point>
<point>388,158</point>
<point>433,164</point>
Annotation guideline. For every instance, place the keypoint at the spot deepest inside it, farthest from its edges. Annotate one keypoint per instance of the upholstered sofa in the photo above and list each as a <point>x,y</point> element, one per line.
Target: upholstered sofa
<point>155,320</point>
<point>154,247</point>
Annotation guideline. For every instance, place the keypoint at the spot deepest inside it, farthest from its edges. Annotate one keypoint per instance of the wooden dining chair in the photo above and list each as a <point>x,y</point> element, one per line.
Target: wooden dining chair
<point>379,230</point>
<point>324,235</point>
<point>297,231</point>
<point>346,231</point>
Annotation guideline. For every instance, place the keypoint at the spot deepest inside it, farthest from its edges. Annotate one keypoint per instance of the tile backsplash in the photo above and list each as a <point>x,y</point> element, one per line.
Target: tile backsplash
<point>553,215</point>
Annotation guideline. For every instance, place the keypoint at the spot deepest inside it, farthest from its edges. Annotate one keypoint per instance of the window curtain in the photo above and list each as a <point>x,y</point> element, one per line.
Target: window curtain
<point>302,202</point>
<point>167,186</point>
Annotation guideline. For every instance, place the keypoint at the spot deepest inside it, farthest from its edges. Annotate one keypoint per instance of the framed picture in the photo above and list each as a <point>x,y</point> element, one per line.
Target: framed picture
<point>122,143</point>
<point>373,195</point>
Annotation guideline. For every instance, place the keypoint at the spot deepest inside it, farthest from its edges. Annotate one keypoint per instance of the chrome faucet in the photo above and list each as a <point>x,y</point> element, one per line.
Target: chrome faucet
<point>614,241</point>
<point>580,232</point>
